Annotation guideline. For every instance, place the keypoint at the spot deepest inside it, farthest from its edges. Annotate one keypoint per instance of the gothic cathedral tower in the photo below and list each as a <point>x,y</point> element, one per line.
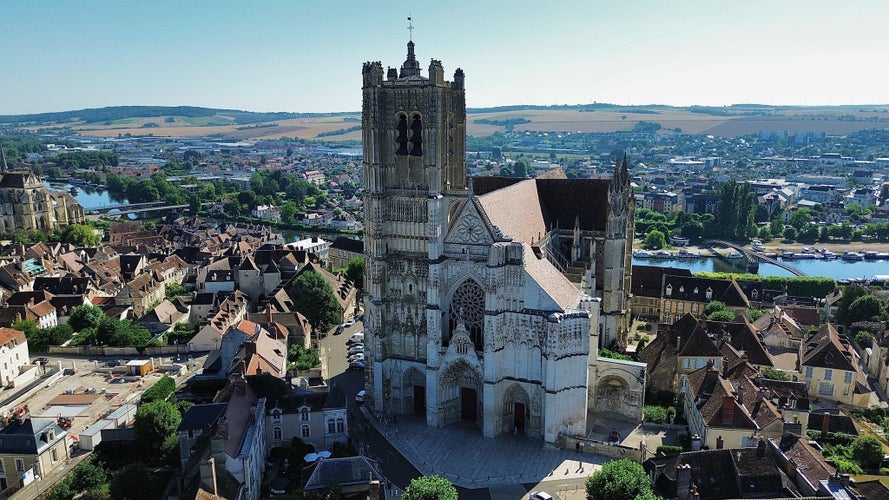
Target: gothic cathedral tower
<point>414,140</point>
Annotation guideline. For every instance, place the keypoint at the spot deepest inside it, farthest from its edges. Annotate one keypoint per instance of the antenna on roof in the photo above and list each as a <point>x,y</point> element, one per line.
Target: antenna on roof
<point>410,26</point>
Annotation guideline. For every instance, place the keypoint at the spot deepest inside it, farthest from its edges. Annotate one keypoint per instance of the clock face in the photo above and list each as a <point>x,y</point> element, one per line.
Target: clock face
<point>469,229</point>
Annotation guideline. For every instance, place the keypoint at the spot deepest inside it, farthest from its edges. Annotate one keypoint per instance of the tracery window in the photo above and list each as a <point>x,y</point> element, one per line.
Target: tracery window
<point>468,306</point>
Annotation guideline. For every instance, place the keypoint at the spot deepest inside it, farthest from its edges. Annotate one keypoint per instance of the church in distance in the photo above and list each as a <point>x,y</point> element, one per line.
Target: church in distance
<point>487,298</point>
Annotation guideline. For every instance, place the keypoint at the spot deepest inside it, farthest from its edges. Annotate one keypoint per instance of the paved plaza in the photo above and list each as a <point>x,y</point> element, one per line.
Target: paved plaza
<point>460,454</point>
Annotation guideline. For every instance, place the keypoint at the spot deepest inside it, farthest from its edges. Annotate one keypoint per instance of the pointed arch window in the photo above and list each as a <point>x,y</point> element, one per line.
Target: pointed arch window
<point>401,135</point>
<point>416,136</point>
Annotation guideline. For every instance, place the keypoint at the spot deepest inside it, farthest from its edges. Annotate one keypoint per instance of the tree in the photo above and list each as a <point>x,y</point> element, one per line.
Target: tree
<point>772,373</point>
<point>85,316</point>
<point>87,475</point>
<point>693,230</point>
<point>655,239</point>
<point>714,306</point>
<point>865,308</point>
<point>520,169</point>
<point>618,480</point>
<point>314,298</point>
<point>121,486</point>
<point>724,315</point>
<point>430,488</point>
<point>81,235</point>
<point>867,451</point>
<point>155,422</point>
<point>850,294</point>
<point>355,272</point>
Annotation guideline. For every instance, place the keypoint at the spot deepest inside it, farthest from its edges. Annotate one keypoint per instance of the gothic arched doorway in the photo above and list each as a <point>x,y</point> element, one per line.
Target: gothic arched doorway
<point>516,410</point>
<point>413,392</point>
<point>460,394</point>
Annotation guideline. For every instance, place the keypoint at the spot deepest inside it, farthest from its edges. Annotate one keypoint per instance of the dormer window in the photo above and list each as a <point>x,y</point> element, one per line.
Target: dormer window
<point>709,293</point>
<point>304,414</point>
<point>669,290</point>
<point>681,289</point>
<point>754,294</point>
<point>696,290</point>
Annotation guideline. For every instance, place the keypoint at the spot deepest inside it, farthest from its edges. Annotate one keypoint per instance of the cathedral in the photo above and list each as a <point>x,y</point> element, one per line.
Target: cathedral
<point>26,203</point>
<point>486,298</point>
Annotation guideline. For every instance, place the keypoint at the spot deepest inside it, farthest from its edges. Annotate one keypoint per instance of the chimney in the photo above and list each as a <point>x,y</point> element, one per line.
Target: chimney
<point>728,410</point>
<point>374,492</point>
<point>696,443</point>
<point>725,367</point>
<point>740,393</point>
<point>683,481</point>
<point>208,475</point>
<point>825,422</point>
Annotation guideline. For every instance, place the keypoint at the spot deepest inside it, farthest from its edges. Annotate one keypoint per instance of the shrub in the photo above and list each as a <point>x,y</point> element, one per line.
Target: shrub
<point>668,450</point>
<point>160,391</point>
<point>654,414</point>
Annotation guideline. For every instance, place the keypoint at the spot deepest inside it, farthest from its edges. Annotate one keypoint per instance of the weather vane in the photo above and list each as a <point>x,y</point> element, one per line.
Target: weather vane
<point>410,26</point>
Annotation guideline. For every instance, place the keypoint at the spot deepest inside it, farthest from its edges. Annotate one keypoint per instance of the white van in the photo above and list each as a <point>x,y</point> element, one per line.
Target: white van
<point>358,337</point>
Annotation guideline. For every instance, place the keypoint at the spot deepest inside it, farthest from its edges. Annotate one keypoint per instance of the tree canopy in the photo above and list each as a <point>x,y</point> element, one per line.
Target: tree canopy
<point>430,488</point>
<point>315,299</point>
<point>619,480</point>
<point>355,272</point>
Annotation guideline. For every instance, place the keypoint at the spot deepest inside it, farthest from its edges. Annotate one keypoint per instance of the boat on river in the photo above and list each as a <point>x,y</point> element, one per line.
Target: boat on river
<point>853,256</point>
<point>643,254</point>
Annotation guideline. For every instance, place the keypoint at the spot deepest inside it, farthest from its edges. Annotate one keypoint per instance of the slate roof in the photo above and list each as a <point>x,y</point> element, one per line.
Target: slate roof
<point>201,416</point>
<point>30,437</point>
<point>342,471</point>
<point>647,279</point>
<point>348,244</point>
<point>694,289</point>
<point>835,423</point>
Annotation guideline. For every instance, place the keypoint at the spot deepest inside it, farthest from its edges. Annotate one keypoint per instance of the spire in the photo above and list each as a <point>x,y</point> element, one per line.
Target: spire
<point>411,66</point>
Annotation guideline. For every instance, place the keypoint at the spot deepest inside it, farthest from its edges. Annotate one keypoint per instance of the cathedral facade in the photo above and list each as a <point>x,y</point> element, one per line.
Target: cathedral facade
<point>27,204</point>
<point>486,299</point>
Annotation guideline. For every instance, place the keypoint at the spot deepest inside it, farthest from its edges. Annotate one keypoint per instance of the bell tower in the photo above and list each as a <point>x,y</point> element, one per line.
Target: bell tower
<point>414,140</point>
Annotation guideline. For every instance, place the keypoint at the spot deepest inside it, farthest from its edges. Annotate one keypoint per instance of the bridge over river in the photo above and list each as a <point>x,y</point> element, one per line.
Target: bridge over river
<point>756,256</point>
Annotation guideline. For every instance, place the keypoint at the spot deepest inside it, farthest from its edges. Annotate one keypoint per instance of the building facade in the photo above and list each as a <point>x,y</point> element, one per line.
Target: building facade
<point>485,299</point>
<point>27,204</point>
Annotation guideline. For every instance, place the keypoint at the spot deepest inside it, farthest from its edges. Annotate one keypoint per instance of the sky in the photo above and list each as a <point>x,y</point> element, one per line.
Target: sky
<point>306,55</point>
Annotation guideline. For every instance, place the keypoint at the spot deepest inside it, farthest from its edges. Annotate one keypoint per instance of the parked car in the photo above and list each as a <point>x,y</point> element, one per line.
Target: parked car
<point>357,338</point>
<point>359,398</point>
<point>541,495</point>
<point>339,330</point>
<point>356,348</point>
<point>41,360</point>
<point>356,365</point>
<point>349,323</point>
<point>357,357</point>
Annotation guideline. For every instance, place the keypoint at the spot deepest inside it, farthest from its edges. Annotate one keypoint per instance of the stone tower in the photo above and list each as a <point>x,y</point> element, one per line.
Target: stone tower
<point>414,140</point>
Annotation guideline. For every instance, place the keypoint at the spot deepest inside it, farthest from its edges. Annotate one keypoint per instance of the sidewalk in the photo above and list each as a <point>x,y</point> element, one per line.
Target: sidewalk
<point>460,454</point>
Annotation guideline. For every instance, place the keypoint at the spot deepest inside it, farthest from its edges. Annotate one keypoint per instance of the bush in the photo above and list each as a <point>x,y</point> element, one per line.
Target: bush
<point>668,450</point>
<point>654,414</point>
<point>774,374</point>
<point>160,391</point>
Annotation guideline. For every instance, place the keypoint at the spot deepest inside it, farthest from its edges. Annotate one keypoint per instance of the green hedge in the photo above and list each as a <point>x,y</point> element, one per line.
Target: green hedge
<point>160,391</point>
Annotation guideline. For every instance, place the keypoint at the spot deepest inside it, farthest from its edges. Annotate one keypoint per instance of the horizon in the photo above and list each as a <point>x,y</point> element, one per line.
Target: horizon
<point>306,57</point>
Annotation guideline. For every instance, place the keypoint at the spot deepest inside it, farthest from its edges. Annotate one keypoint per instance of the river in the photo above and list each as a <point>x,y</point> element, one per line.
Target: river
<point>88,198</point>
<point>838,269</point>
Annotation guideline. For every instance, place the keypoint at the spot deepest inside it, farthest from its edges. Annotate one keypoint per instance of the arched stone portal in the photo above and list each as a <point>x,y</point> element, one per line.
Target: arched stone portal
<point>413,392</point>
<point>517,416</point>
<point>460,394</point>
<point>617,388</point>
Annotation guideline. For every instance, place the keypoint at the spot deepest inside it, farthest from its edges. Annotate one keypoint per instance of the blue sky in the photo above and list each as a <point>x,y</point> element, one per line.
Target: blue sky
<point>306,55</point>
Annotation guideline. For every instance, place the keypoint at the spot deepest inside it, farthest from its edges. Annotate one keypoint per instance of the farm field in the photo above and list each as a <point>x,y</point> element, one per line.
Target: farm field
<point>837,120</point>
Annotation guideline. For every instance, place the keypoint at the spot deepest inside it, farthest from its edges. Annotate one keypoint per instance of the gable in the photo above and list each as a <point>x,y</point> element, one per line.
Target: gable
<point>469,227</point>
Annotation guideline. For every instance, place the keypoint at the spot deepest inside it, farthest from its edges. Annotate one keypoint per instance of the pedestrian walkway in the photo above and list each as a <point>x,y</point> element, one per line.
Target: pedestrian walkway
<point>460,454</point>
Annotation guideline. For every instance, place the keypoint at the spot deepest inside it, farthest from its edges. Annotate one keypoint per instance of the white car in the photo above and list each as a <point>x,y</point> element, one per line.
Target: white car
<point>540,495</point>
<point>359,398</point>
<point>356,357</point>
<point>355,349</point>
<point>357,338</point>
